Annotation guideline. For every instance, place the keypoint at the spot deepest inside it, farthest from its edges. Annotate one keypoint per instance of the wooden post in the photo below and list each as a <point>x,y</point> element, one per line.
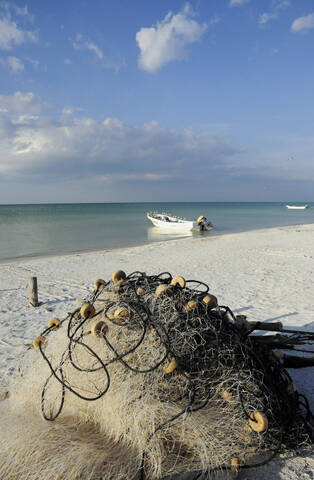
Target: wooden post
<point>33,292</point>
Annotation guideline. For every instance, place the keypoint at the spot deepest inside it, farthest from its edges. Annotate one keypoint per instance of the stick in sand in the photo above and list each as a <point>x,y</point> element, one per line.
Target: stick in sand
<point>33,292</point>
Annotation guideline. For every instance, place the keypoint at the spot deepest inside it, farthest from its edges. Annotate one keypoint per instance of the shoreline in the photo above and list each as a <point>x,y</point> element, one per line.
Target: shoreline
<point>208,236</point>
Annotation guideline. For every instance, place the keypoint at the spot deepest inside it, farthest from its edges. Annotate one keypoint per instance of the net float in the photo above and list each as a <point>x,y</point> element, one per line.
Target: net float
<point>171,366</point>
<point>118,275</point>
<point>178,281</point>
<point>258,421</point>
<point>190,305</point>
<point>41,340</point>
<point>161,290</point>
<point>210,301</point>
<point>54,324</point>
<point>98,329</point>
<point>98,283</point>
<point>87,310</point>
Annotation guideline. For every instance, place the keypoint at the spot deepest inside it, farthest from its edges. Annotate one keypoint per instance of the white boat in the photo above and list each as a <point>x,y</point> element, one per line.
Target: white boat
<point>297,207</point>
<point>172,222</point>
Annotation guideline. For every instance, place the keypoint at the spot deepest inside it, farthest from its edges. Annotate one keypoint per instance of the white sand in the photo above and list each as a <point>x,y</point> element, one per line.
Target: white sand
<point>267,275</point>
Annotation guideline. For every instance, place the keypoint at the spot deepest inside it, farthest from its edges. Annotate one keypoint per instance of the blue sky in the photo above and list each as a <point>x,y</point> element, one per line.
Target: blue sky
<point>145,100</point>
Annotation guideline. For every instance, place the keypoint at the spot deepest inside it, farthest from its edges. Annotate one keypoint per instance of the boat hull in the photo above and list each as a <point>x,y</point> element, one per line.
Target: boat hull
<point>182,226</point>
<point>297,207</point>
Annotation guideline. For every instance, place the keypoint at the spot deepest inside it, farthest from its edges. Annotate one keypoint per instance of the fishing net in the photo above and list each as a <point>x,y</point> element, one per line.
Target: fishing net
<point>151,377</point>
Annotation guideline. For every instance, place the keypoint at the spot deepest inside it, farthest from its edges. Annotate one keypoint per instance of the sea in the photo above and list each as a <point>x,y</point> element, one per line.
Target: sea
<point>55,229</point>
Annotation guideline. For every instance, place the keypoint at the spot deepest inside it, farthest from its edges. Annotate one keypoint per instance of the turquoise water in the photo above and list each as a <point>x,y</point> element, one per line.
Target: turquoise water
<point>29,230</point>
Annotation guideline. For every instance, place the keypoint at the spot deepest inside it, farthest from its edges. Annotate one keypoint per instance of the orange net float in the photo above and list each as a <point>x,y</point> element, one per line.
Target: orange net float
<point>41,340</point>
<point>87,310</point>
<point>54,324</point>
<point>178,281</point>
<point>258,421</point>
<point>118,275</point>
<point>98,329</point>
<point>171,366</point>
<point>162,290</point>
<point>98,283</point>
<point>190,306</point>
<point>210,301</point>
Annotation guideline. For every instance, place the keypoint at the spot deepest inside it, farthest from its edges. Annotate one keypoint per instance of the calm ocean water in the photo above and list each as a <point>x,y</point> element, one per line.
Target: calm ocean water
<point>29,230</point>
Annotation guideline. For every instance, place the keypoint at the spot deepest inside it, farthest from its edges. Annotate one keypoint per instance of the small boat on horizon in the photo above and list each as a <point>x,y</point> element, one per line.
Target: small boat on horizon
<point>297,207</point>
<point>172,222</point>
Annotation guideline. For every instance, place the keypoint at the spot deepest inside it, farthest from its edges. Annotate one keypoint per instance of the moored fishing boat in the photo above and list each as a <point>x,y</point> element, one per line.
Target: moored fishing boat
<point>297,207</point>
<point>173,222</point>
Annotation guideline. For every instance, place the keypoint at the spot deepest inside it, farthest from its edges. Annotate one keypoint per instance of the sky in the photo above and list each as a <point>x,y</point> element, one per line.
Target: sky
<point>156,100</point>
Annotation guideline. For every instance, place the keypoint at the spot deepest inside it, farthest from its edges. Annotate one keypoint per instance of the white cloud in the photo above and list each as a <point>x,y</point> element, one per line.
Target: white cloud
<point>265,17</point>
<point>22,11</point>
<point>15,64</point>
<point>282,4</point>
<point>167,40</point>
<point>11,34</point>
<point>237,3</point>
<point>277,6</point>
<point>82,43</point>
<point>34,63</point>
<point>302,24</point>
<point>67,61</point>
<point>71,110</point>
<point>214,20</point>
<point>19,103</point>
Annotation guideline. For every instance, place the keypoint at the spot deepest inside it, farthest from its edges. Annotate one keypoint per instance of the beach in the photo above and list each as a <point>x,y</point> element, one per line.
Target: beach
<point>265,274</point>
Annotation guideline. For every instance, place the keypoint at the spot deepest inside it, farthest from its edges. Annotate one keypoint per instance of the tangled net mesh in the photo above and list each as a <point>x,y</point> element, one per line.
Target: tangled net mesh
<point>172,383</point>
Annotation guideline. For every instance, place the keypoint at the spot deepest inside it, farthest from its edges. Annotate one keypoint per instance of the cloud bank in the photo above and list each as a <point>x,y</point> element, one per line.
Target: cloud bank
<point>76,155</point>
<point>165,42</point>
<point>112,151</point>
